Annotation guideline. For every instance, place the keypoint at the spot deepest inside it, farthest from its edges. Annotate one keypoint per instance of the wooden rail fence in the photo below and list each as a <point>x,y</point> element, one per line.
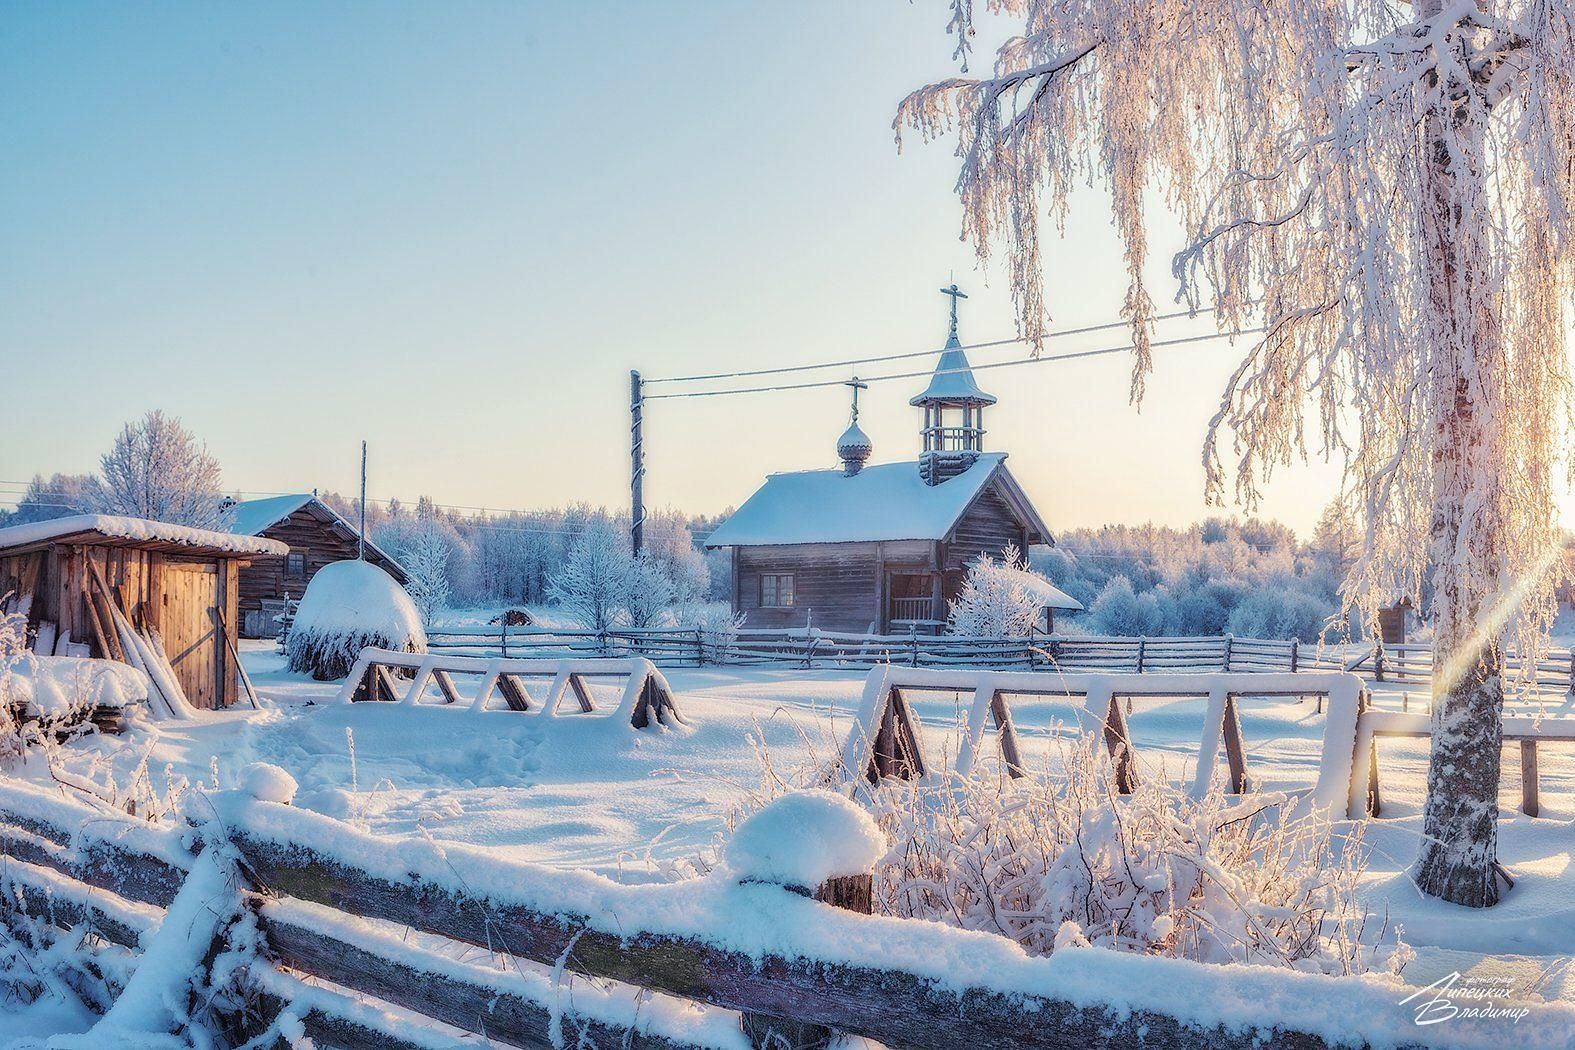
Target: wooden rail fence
<point>304,877</point>
<point>682,647</point>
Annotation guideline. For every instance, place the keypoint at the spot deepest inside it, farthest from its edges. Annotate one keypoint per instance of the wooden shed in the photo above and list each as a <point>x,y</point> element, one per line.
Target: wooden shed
<point>180,583</point>
<point>315,535</point>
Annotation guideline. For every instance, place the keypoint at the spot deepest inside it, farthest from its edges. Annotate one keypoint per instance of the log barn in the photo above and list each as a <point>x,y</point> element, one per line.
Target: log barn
<point>884,547</point>
<point>179,582</point>
<point>315,534</point>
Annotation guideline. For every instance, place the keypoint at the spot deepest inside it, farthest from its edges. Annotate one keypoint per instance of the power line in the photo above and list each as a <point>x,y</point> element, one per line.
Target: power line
<point>910,354</point>
<point>954,371</point>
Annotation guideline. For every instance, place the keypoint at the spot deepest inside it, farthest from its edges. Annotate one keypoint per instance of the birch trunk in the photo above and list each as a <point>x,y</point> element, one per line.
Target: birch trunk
<point>1460,825</point>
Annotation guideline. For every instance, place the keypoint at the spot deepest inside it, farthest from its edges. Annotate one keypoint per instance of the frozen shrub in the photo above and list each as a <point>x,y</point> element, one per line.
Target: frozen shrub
<point>1000,598</point>
<point>1282,612</point>
<point>1119,610</point>
<point>349,606</point>
<point>1060,861</point>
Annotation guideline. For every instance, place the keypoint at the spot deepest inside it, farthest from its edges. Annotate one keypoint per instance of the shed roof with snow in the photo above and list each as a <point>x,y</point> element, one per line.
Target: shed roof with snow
<point>109,530</point>
<point>888,501</point>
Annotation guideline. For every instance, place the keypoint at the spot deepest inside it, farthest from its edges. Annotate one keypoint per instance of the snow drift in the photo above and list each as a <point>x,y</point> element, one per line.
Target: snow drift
<point>349,606</point>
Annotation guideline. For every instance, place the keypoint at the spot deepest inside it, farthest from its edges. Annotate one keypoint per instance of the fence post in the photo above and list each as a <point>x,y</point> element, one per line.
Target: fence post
<point>914,642</point>
<point>1227,653</point>
<point>1142,645</point>
<point>1295,650</point>
<point>1378,661</point>
<point>503,637</point>
<point>1572,672</point>
<point>699,647</point>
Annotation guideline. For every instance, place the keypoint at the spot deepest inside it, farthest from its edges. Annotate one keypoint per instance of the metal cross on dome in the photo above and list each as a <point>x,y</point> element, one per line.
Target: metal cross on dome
<point>956,294</point>
<point>857,384</point>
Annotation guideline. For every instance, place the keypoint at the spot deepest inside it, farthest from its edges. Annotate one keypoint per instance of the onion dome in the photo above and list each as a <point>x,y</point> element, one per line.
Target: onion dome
<point>853,448</point>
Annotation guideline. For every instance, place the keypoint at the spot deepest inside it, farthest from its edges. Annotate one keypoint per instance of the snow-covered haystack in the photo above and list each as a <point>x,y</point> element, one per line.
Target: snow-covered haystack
<point>349,606</point>
<point>804,839</point>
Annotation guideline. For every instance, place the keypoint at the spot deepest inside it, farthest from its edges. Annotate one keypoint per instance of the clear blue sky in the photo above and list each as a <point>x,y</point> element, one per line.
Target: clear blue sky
<point>453,228</point>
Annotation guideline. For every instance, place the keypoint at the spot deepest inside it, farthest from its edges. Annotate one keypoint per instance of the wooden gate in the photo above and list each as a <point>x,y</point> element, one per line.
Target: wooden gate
<point>191,594</point>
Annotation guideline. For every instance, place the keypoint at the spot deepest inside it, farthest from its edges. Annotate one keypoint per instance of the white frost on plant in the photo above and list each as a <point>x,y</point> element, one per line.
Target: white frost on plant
<point>803,839</point>
<point>1390,189</point>
<point>1002,599</point>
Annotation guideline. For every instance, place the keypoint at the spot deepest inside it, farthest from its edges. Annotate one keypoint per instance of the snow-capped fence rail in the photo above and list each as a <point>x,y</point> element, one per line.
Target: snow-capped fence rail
<point>886,740</point>
<point>765,950</point>
<point>1527,731</point>
<point>647,699</point>
<point>813,647</point>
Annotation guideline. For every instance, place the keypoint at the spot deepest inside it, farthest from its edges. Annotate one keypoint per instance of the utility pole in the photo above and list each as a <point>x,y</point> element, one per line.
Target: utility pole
<point>360,540</point>
<point>636,466</point>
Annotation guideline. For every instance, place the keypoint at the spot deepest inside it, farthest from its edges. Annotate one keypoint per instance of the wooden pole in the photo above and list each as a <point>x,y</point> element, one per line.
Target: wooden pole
<point>360,540</point>
<point>636,465</point>
<point>1528,778</point>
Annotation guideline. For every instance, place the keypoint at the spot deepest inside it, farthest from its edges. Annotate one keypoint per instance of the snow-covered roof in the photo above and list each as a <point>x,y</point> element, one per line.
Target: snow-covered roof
<point>1048,594</point>
<point>888,501</point>
<point>249,517</point>
<point>953,379</point>
<point>136,532</point>
<point>252,517</point>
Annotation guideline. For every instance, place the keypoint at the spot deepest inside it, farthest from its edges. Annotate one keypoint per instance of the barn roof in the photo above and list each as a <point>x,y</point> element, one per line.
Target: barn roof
<point>252,517</point>
<point>888,501</point>
<point>113,531</point>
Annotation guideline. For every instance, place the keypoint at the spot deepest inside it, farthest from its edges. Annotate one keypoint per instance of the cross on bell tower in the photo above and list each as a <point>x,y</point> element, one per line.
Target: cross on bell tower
<point>854,447</point>
<point>953,407</point>
<point>956,294</point>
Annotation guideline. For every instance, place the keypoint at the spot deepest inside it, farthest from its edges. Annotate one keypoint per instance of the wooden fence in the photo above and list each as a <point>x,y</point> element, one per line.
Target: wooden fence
<point>681,647</point>
<point>302,875</point>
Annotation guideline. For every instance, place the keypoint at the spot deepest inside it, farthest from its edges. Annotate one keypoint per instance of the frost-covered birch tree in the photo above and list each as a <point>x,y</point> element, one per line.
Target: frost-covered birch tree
<point>593,583</point>
<point>1389,188</point>
<point>426,560</point>
<point>157,469</point>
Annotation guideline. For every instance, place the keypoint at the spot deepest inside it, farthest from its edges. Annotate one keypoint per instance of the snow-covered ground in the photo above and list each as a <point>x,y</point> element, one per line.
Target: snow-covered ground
<point>585,791</point>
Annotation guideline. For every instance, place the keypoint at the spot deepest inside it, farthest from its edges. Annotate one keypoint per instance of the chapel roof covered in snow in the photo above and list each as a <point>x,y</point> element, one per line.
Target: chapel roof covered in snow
<point>888,501</point>
<point>953,381</point>
<point>110,530</point>
<point>253,517</point>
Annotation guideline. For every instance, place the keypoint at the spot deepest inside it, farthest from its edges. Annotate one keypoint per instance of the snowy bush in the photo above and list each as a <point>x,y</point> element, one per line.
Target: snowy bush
<point>1283,612</point>
<point>999,599</point>
<point>647,591</point>
<point>1119,610</point>
<point>348,606</point>
<point>1063,861</point>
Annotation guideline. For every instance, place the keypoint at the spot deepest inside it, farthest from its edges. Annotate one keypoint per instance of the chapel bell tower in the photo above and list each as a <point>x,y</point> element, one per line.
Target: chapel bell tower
<point>953,404</point>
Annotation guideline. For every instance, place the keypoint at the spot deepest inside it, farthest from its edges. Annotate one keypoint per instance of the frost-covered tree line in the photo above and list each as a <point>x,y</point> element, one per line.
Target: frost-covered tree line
<point>1248,578</point>
<point>521,558</point>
